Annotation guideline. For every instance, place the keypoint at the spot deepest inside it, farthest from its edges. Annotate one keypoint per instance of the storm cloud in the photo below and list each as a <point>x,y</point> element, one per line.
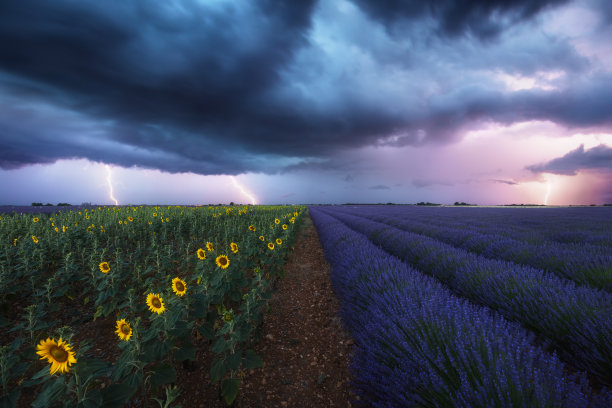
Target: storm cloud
<point>274,86</point>
<point>596,158</point>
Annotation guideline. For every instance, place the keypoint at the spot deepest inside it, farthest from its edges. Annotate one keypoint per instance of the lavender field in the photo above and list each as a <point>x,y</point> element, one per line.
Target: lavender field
<point>495,307</point>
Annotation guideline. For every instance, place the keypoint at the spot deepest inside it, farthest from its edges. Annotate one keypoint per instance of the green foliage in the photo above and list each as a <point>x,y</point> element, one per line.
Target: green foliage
<point>101,263</point>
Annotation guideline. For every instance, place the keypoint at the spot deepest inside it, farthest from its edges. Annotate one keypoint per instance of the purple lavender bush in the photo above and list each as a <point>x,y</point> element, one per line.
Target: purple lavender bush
<point>417,344</point>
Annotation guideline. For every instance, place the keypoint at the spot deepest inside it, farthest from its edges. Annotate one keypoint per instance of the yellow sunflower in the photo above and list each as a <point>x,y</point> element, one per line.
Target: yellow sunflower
<point>34,239</point>
<point>104,267</point>
<point>35,219</point>
<point>209,246</point>
<point>64,228</point>
<point>15,242</point>
<point>56,229</point>
<point>124,331</point>
<point>222,261</point>
<point>130,219</point>
<point>279,241</point>
<point>155,303</point>
<point>252,228</point>
<point>228,316</point>
<point>261,238</point>
<point>271,246</point>
<point>59,354</point>
<point>234,247</point>
<point>155,214</point>
<point>284,226</point>
<point>120,222</point>
<point>179,286</point>
<point>276,221</point>
<point>201,253</point>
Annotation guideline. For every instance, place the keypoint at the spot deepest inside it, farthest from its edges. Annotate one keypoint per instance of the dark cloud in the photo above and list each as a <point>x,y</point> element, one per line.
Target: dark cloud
<point>231,87</point>
<point>596,158</point>
<point>509,182</point>
<point>484,19</point>
<point>380,187</point>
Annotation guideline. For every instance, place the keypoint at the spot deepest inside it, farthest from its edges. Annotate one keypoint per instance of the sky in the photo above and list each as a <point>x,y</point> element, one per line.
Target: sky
<point>329,101</point>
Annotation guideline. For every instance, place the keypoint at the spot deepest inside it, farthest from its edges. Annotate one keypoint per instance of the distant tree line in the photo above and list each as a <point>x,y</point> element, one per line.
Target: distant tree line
<point>50,205</point>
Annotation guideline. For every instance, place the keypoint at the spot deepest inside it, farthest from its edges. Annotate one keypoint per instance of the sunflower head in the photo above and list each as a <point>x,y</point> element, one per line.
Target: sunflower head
<point>284,226</point>
<point>201,253</point>
<point>276,221</point>
<point>179,286</point>
<point>261,238</point>
<point>271,246</point>
<point>222,261</point>
<point>228,316</point>
<point>124,331</point>
<point>35,219</point>
<point>34,239</point>
<point>130,219</point>
<point>234,247</point>
<point>104,267</point>
<point>251,227</point>
<point>64,228</point>
<point>279,241</point>
<point>210,247</point>
<point>155,303</point>
<point>58,353</point>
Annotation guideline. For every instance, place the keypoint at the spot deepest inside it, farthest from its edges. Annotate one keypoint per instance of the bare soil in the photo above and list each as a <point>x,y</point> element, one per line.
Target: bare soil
<point>304,347</point>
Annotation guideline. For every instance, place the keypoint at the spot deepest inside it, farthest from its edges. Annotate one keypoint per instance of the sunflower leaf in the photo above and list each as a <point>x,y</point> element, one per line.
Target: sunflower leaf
<point>229,389</point>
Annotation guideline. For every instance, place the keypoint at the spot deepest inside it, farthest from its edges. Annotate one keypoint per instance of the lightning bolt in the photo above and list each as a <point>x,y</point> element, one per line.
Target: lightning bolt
<point>548,190</point>
<point>110,184</point>
<point>243,191</point>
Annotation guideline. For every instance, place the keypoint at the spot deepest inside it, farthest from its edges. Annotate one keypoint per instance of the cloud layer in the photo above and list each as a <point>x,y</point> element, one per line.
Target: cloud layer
<point>272,86</point>
<point>596,158</point>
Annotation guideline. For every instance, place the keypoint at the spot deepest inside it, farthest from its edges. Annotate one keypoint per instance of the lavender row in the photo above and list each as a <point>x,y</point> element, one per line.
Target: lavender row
<point>590,226</point>
<point>585,265</point>
<point>419,345</point>
<point>577,319</point>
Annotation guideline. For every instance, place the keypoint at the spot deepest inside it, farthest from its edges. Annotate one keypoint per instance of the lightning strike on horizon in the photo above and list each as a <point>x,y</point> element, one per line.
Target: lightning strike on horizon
<point>243,191</point>
<point>110,184</point>
<point>548,190</point>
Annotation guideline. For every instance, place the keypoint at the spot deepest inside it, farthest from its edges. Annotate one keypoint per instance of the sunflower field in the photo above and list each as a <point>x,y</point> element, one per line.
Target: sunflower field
<point>170,279</point>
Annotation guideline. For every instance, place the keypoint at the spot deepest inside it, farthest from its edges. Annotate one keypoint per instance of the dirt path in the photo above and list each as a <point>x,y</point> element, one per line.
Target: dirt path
<point>304,347</point>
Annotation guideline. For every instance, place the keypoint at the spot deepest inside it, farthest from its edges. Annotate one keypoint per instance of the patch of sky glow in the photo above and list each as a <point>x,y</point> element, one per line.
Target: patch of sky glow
<point>546,81</point>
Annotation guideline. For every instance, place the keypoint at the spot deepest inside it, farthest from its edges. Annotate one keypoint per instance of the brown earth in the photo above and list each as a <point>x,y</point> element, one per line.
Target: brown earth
<point>304,346</point>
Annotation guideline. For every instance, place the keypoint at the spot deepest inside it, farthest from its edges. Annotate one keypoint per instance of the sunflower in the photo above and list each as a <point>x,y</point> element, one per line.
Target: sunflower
<point>104,267</point>
<point>155,214</point>
<point>276,221</point>
<point>35,219</point>
<point>209,246</point>
<point>284,226</point>
<point>15,242</point>
<point>155,303</point>
<point>124,331</point>
<point>120,222</point>
<point>271,246</point>
<point>179,286</point>
<point>201,253</point>
<point>228,316</point>
<point>64,228</point>
<point>34,239</point>
<point>252,228</point>
<point>130,219</point>
<point>261,238</point>
<point>56,229</point>
<point>279,241</point>
<point>167,219</point>
<point>58,354</point>
<point>234,247</point>
<point>222,261</point>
